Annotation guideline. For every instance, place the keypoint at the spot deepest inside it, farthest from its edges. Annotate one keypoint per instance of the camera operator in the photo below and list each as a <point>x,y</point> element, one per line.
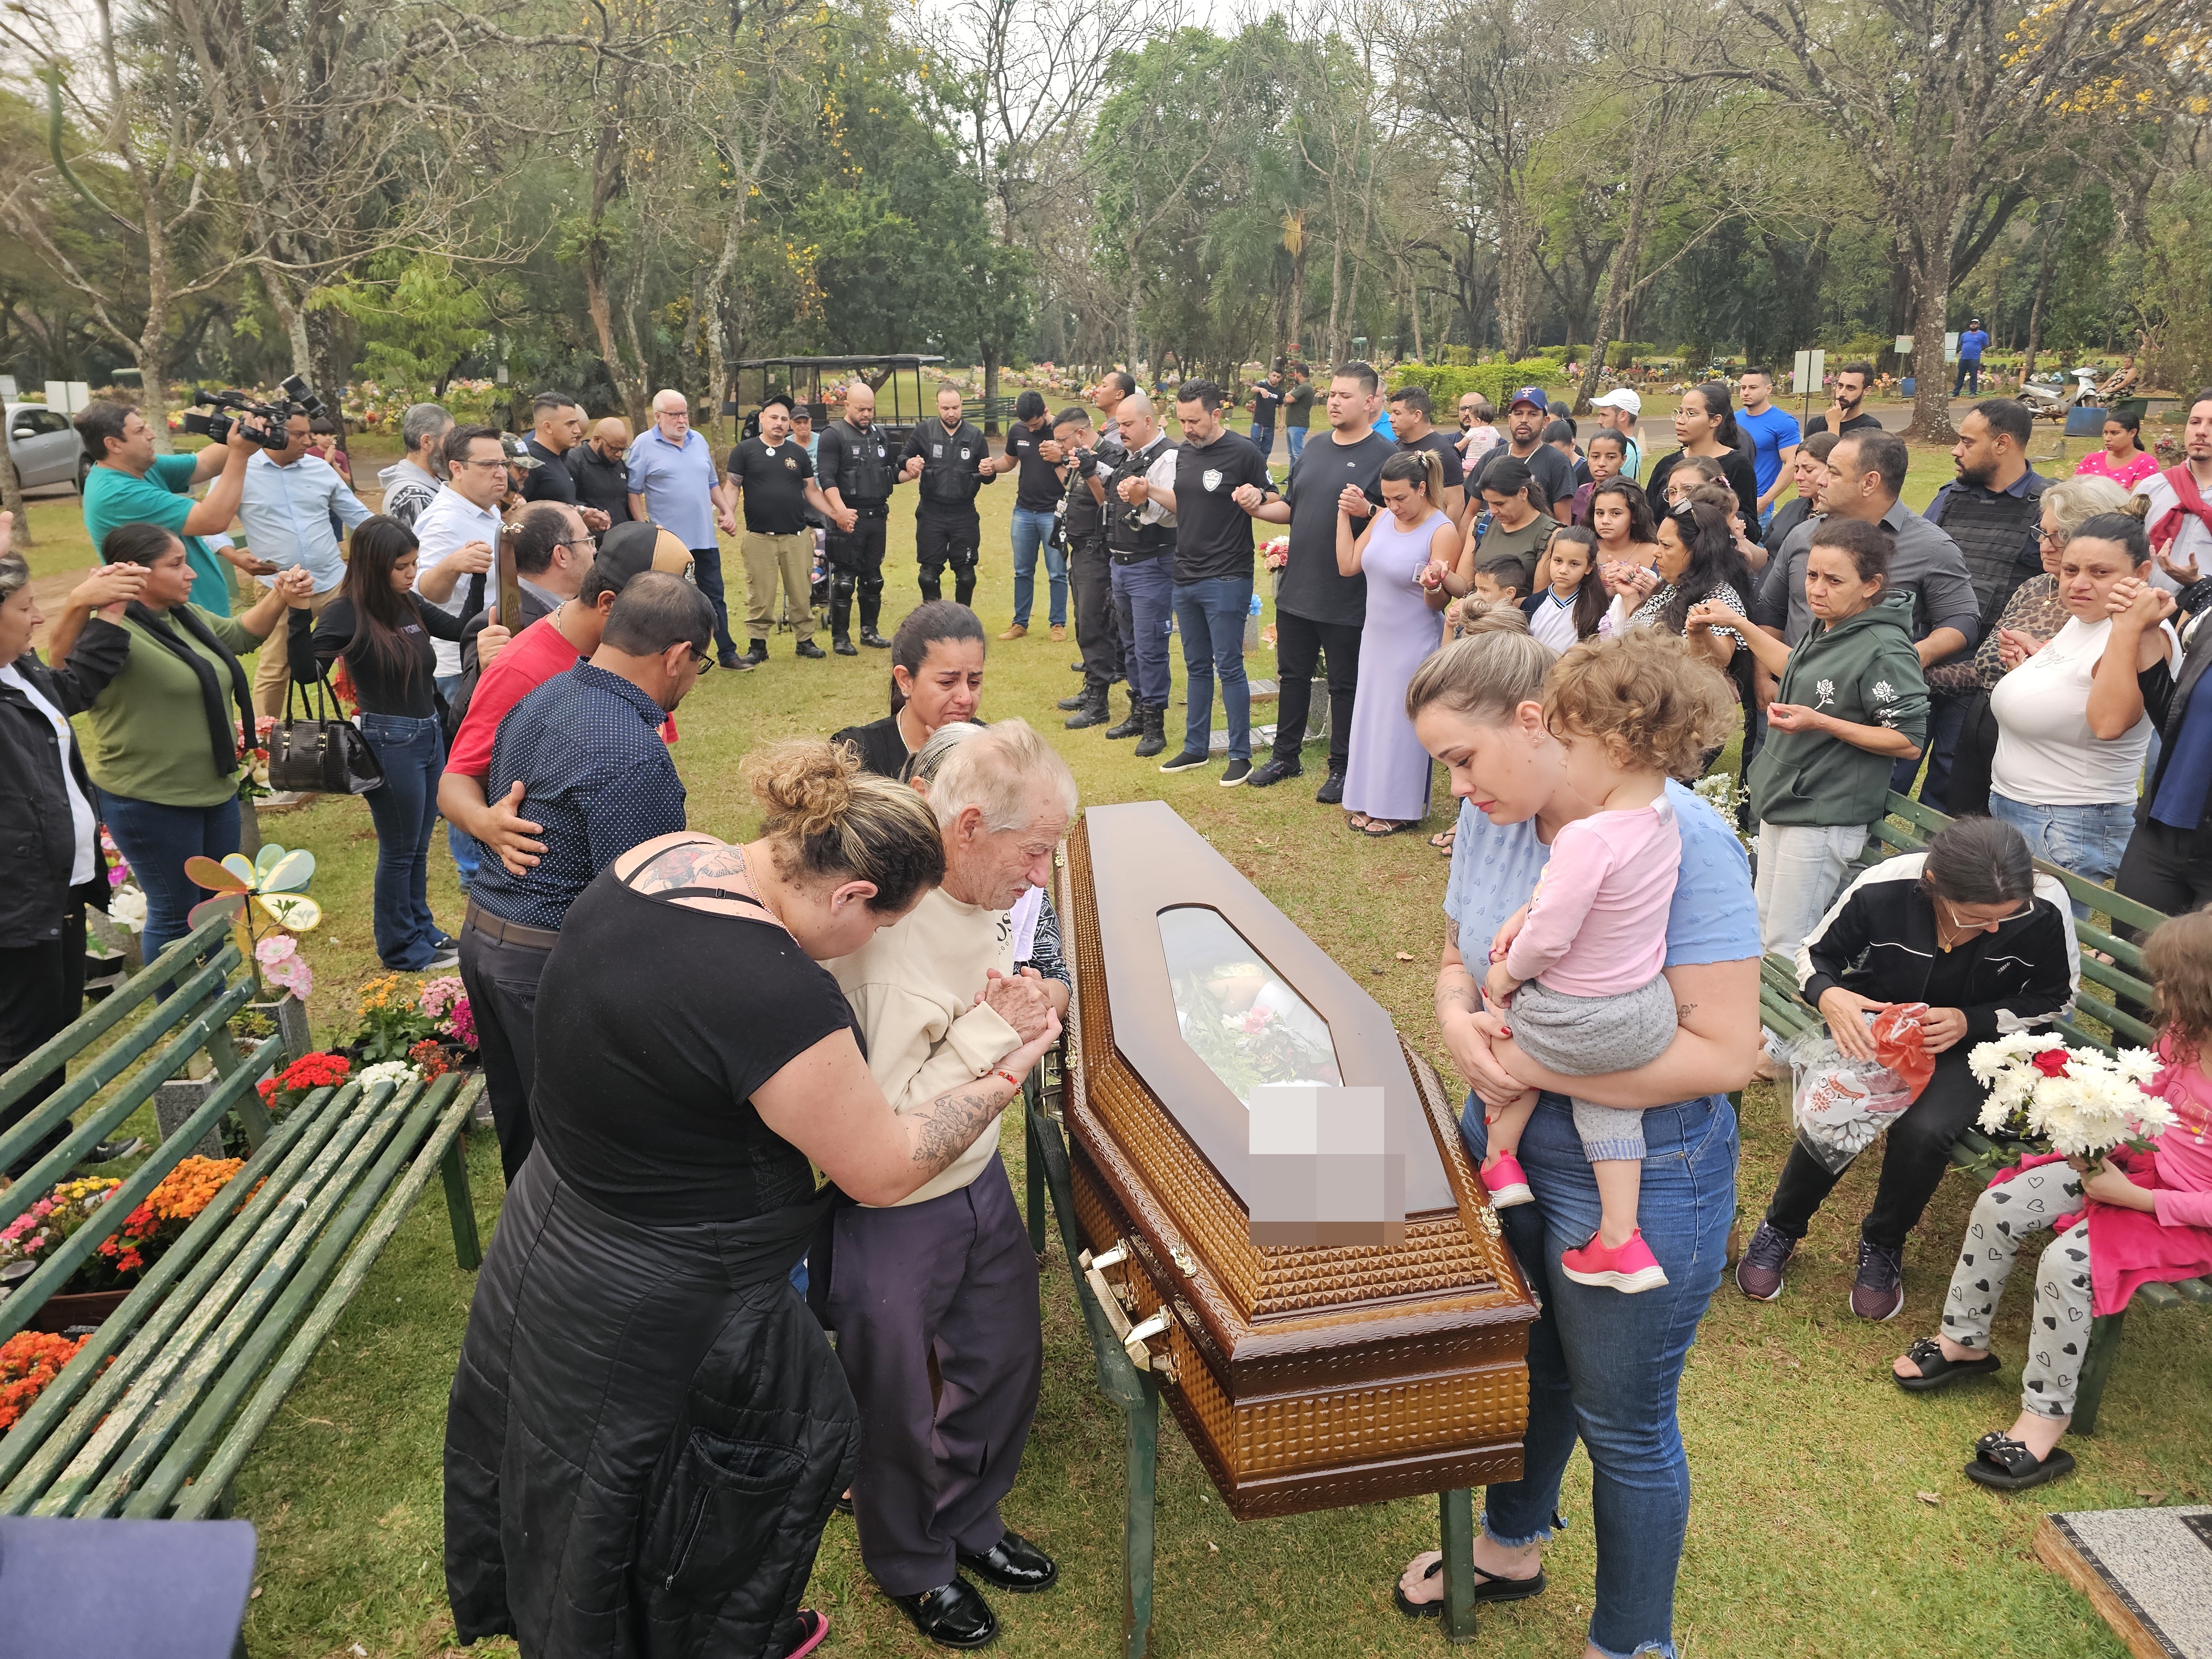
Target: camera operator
<point>291,501</point>
<point>129,484</point>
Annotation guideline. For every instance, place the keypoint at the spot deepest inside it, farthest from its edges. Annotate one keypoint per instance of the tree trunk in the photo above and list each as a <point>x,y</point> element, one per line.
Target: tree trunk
<point>2052,240</point>
<point>1931,298</point>
<point>1295,329</point>
<point>1333,340</point>
<point>11,498</point>
<point>990,390</point>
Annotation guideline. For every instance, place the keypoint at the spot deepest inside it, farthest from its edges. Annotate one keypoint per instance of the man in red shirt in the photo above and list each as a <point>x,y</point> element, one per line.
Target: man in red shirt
<point>552,645</point>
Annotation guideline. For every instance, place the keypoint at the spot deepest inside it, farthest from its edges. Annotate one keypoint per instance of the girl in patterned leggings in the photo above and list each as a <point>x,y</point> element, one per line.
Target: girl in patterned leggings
<point>2138,1219</point>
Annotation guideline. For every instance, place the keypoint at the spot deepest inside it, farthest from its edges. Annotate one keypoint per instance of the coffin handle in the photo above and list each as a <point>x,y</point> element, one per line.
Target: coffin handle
<point>1136,1344</point>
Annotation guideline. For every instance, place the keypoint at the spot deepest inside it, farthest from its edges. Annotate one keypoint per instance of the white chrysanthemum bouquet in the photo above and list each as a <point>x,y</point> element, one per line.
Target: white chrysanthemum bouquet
<point>2083,1102</point>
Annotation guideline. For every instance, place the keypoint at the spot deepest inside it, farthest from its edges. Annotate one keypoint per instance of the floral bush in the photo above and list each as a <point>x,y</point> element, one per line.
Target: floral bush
<point>280,1093</point>
<point>30,1360</point>
<point>446,1002</point>
<point>176,1201</point>
<point>35,1235</point>
<point>395,1021</point>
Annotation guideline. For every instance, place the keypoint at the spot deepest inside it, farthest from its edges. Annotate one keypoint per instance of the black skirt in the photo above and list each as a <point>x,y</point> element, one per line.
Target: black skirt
<point>645,1436</point>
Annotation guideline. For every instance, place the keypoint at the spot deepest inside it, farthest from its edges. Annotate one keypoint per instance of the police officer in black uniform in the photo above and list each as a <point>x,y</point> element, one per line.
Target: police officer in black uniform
<point>1083,523</point>
<point>853,466</point>
<point>953,460</point>
<point>1140,542</point>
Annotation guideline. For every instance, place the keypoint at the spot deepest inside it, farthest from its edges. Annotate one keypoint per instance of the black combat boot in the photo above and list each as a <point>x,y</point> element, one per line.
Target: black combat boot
<point>1090,709</point>
<point>1134,725</point>
<point>1155,739</point>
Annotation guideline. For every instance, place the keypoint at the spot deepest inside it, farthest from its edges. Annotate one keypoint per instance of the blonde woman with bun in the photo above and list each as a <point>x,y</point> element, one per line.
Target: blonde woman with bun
<point>634,1311</point>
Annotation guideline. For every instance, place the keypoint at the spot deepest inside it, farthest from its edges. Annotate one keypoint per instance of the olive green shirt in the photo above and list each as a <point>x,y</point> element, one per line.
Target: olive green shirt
<point>145,736</point>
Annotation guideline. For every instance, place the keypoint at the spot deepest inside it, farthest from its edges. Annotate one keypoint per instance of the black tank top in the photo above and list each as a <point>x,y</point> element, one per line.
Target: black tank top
<point>656,1022</point>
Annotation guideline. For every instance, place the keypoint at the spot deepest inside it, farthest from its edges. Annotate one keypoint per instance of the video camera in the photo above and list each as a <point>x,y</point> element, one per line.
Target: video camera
<point>299,399</point>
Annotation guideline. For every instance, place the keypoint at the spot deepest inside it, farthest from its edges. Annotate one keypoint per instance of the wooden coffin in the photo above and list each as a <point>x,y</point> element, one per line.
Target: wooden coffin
<point>1306,1377</point>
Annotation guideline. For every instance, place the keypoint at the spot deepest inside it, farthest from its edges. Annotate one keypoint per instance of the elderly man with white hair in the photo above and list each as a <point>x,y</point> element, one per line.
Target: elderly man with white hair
<point>674,481</point>
<point>949,1270</point>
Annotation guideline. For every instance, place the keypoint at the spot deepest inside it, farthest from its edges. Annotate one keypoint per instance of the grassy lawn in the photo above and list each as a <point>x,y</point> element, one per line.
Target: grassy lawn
<point>1809,1465</point>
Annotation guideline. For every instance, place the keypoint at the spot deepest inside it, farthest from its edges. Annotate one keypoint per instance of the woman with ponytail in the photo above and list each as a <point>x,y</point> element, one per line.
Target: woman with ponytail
<point>648,1427</point>
<point>1402,553</point>
<point>937,680</point>
<point>172,716</point>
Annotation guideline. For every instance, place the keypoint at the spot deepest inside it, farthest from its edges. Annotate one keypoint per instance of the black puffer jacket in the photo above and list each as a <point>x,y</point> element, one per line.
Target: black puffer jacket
<point>1879,940</point>
<point>38,834</point>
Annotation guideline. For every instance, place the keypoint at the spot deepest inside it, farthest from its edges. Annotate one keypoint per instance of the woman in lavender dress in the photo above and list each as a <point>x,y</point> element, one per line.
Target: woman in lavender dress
<point>1403,553</point>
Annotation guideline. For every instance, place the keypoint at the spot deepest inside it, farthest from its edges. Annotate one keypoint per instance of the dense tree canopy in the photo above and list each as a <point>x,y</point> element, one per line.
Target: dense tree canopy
<point>645,192</point>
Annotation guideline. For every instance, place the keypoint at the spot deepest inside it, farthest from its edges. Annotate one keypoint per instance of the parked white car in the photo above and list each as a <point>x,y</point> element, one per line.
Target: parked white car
<point>44,447</point>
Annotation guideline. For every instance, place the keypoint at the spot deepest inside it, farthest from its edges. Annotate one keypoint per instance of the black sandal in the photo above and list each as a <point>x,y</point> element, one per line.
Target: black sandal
<point>2004,1464</point>
<point>1490,1590</point>
<point>1935,1371</point>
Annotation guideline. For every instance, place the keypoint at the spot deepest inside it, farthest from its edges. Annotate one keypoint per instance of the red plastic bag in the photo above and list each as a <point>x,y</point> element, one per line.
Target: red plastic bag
<point>1900,1046</point>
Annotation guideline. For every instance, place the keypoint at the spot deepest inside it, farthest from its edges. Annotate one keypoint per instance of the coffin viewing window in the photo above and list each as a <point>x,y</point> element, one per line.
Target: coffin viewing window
<point>1236,1011</point>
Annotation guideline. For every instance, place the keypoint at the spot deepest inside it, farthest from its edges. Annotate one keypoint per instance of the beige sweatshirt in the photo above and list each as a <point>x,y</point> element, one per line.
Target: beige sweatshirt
<point>913,987</point>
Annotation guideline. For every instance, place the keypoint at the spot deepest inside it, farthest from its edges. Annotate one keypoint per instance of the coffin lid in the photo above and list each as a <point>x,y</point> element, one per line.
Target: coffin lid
<point>1144,859</point>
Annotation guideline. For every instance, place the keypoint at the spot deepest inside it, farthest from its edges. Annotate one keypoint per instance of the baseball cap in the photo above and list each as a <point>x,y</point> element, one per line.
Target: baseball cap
<point>774,398</point>
<point>631,549</point>
<point>1531,394</point>
<point>516,454</point>
<point>1619,398</point>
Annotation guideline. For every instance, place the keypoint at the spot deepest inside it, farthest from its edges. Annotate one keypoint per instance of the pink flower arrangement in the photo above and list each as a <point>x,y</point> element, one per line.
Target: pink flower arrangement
<point>446,1001</point>
<point>284,966</point>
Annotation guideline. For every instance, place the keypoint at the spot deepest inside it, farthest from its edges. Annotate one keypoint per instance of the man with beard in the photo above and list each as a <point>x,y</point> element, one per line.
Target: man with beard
<point>853,467</point>
<point>1848,413</point>
<point>953,460</point>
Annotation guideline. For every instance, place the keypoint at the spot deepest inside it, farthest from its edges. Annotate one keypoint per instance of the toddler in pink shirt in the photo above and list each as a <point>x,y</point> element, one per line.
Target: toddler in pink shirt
<point>1580,963</point>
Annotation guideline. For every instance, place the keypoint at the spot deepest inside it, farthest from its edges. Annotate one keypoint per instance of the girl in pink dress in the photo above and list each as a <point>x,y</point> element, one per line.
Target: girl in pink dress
<point>2122,459</point>
<point>1579,965</point>
<point>2136,1218</point>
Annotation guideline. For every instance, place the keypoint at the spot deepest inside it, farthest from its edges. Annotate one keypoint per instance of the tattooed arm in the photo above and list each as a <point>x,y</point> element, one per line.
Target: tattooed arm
<point>825,1102</point>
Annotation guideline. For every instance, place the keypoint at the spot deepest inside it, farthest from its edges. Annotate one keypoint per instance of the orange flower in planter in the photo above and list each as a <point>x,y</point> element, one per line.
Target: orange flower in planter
<point>28,1361</point>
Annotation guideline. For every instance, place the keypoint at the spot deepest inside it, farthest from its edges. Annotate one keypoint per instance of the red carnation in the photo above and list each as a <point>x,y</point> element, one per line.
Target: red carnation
<point>2051,1062</point>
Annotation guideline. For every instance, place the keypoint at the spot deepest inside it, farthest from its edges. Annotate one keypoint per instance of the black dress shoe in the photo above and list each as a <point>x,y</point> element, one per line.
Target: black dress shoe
<point>1012,1564</point>
<point>808,648</point>
<point>953,1615</point>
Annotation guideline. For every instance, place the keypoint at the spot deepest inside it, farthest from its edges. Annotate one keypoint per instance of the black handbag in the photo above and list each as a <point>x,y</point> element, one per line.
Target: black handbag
<point>321,754</point>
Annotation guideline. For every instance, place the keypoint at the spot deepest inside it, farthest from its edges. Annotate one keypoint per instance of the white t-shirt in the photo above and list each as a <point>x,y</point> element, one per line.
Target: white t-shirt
<point>80,818</point>
<point>1553,623</point>
<point>2047,755</point>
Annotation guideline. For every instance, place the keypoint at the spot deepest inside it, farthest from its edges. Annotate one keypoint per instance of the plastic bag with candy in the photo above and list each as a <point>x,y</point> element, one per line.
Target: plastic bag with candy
<point>1842,1105</point>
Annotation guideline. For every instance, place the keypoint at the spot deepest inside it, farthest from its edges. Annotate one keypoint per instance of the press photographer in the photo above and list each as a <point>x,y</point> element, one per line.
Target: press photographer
<point>129,484</point>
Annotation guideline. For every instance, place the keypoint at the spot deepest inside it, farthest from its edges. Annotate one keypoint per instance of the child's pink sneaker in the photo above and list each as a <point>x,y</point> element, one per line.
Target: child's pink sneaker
<point>1629,1269</point>
<point>1508,1185</point>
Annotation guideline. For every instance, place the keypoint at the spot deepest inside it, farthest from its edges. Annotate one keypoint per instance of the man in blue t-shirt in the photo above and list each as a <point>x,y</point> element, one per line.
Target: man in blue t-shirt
<point>1774,437</point>
<point>129,484</point>
<point>1972,344</point>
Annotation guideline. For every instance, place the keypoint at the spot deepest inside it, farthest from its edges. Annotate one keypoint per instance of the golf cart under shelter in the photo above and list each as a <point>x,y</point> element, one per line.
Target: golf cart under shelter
<point>902,397</point>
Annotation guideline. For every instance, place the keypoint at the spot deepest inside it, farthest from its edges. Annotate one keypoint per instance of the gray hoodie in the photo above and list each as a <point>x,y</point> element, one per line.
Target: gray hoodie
<point>407,490</point>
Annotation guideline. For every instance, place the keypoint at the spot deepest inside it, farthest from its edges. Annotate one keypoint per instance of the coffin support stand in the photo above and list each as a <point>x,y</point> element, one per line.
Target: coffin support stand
<point>1138,1394</point>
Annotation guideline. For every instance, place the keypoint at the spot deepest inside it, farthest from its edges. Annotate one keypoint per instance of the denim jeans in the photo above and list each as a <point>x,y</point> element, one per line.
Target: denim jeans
<point>1144,595</point>
<point>404,807</point>
<point>1033,531</point>
<point>462,844</point>
<point>1295,436</point>
<point>1210,615</point>
<point>155,841</point>
<point>1947,721</point>
<point>1605,1368</point>
<point>1263,439</point>
<point>2087,840</point>
<point>707,571</point>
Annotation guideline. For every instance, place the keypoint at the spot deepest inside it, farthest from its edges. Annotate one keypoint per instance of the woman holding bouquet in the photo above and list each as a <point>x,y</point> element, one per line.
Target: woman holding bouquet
<point>2135,1218</point>
<point>1969,928</point>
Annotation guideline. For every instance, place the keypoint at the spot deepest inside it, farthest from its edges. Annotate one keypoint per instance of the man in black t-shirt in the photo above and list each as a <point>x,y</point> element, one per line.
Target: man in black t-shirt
<point>1409,414</point>
<point>953,460</point>
<point>1036,511</point>
<point>776,478</point>
<point>1213,573</point>
<point>1266,400</point>
<point>1848,412</point>
<point>556,428</point>
<point>1317,609</point>
<point>602,473</point>
<point>1553,478</point>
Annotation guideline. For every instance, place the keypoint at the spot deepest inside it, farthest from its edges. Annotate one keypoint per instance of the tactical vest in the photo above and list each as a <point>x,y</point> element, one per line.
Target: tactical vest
<point>949,478</point>
<point>1992,534</point>
<point>1080,517</point>
<point>1127,535</point>
<point>864,472</point>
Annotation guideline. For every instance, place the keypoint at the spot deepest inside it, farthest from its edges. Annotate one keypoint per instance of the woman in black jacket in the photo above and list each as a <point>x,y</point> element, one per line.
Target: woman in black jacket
<point>1969,928</point>
<point>383,630</point>
<point>1704,424</point>
<point>49,839</point>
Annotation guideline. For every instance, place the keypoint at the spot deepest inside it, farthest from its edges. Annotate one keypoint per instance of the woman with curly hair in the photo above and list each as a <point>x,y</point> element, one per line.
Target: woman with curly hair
<point>1698,566</point>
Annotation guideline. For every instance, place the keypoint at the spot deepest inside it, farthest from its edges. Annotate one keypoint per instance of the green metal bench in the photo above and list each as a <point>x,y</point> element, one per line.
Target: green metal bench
<point>1787,1014</point>
<point>155,1414</point>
